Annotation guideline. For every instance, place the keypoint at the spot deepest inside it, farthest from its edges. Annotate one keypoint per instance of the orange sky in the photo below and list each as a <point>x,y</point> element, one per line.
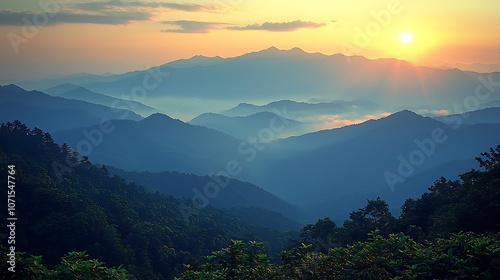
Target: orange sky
<point>99,37</point>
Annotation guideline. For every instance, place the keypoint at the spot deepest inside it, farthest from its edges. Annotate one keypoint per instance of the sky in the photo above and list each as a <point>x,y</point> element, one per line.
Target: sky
<point>44,38</point>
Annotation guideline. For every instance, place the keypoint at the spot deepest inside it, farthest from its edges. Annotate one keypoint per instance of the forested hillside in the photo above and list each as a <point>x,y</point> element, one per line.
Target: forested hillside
<point>65,203</point>
<point>71,209</point>
<point>450,232</point>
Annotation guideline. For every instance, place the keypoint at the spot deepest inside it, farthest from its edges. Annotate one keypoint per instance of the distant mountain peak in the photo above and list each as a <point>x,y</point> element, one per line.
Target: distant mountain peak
<point>271,49</point>
<point>274,50</point>
<point>62,89</point>
<point>405,114</point>
<point>407,117</point>
<point>244,104</point>
<point>159,118</point>
<point>13,88</point>
<point>197,60</point>
<point>297,49</point>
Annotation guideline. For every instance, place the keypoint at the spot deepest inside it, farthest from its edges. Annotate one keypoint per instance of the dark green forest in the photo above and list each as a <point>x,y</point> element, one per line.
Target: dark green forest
<point>450,232</point>
<point>66,204</point>
<point>77,221</point>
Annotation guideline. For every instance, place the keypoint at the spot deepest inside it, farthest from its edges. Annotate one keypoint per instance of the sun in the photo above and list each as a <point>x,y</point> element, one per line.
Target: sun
<point>406,37</point>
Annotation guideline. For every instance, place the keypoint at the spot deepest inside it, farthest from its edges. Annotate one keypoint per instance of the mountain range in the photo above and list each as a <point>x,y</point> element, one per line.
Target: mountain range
<point>71,91</point>
<point>247,126</point>
<point>322,167</point>
<point>310,170</point>
<point>305,130</point>
<point>158,143</point>
<point>36,108</point>
<point>273,74</point>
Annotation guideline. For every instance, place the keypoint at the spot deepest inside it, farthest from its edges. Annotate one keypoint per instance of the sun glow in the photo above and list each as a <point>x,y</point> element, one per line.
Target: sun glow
<point>406,37</point>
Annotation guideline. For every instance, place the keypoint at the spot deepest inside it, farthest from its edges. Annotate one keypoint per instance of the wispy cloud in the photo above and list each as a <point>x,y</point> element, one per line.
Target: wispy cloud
<point>102,12</point>
<point>338,120</point>
<point>106,5</point>
<point>440,112</point>
<point>279,26</point>
<point>117,17</point>
<point>189,26</point>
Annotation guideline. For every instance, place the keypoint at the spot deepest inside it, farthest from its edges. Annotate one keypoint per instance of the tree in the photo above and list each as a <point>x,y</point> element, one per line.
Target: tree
<point>322,235</point>
<point>74,265</point>
<point>374,216</point>
<point>492,160</point>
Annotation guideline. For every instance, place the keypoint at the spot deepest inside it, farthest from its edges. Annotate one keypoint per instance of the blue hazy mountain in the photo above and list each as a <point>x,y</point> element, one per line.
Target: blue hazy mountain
<point>76,79</point>
<point>274,74</point>
<point>412,187</point>
<point>322,167</point>
<point>50,113</point>
<point>243,127</point>
<point>488,115</point>
<point>270,75</point>
<point>76,92</point>
<point>233,193</point>
<point>197,60</point>
<point>159,143</point>
<point>87,78</point>
<point>304,109</point>
<point>310,170</point>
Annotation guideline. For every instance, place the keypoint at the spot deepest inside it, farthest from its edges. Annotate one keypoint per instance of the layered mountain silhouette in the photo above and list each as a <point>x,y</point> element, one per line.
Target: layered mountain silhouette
<point>274,74</point>
<point>488,115</point>
<point>327,171</point>
<point>71,91</point>
<point>36,108</point>
<point>158,143</point>
<point>243,127</point>
<point>375,157</point>
<point>231,193</point>
<point>293,109</point>
<point>309,170</point>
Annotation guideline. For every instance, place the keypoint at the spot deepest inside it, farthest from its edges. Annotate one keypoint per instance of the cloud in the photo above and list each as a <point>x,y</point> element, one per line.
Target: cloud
<point>106,5</point>
<point>28,18</point>
<point>336,121</point>
<point>440,112</point>
<point>100,12</point>
<point>188,26</point>
<point>279,26</point>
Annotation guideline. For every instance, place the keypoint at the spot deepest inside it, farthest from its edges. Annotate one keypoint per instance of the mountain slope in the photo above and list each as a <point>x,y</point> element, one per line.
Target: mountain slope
<point>296,110</point>
<point>487,115</point>
<point>54,113</point>
<point>232,193</point>
<point>274,74</point>
<point>243,127</point>
<point>86,209</point>
<point>160,143</point>
<point>313,176</point>
<point>70,91</point>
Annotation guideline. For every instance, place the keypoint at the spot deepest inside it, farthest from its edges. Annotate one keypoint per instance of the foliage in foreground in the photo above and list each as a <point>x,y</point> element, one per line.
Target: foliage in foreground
<point>378,246</point>
<point>74,265</point>
<point>397,256</point>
